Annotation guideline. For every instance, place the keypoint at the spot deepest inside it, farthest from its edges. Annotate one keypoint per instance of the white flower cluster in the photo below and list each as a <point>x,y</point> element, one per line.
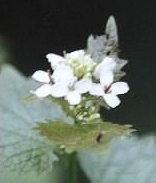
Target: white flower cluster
<point>76,74</point>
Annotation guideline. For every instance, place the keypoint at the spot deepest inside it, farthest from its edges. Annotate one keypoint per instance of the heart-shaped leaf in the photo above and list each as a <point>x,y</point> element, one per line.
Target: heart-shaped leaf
<point>21,148</point>
<point>128,160</point>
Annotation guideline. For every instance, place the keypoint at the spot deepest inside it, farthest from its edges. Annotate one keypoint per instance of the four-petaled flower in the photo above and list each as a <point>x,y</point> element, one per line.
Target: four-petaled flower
<point>62,83</point>
<point>61,76</point>
<point>109,90</point>
<point>72,92</point>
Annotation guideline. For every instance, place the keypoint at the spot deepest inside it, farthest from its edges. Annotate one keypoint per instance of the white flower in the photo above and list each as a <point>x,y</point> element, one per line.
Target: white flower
<point>72,92</point>
<point>108,64</point>
<point>62,83</point>
<point>80,87</point>
<point>109,90</point>
<point>62,76</point>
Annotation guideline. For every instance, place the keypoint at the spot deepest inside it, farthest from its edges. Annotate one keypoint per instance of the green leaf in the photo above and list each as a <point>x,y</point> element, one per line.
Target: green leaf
<point>96,46</point>
<point>119,75</point>
<point>101,46</point>
<point>21,148</point>
<point>58,175</point>
<point>79,137</point>
<point>130,159</point>
<point>111,34</point>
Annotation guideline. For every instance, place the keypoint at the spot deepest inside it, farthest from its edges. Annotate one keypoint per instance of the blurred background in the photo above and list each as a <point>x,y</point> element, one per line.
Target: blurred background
<point>31,29</point>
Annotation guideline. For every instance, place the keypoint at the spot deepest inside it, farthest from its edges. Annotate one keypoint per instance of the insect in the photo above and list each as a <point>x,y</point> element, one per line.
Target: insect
<point>99,136</point>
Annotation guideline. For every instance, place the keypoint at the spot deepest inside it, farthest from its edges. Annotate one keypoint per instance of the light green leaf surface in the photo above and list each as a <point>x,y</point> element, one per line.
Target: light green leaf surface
<point>7,176</point>
<point>78,137</point>
<point>130,159</point>
<point>21,148</point>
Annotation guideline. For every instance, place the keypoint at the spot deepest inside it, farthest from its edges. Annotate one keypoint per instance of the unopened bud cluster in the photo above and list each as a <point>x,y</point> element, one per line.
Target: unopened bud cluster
<point>87,113</point>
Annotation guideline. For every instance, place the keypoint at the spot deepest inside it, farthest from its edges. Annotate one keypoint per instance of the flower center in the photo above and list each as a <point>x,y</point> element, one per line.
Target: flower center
<point>107,89</point>
<point>51,81</point>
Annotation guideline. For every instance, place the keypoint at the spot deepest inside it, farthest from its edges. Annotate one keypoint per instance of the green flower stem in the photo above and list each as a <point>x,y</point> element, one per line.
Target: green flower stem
<point>70,163</point>
<point>72,168</point>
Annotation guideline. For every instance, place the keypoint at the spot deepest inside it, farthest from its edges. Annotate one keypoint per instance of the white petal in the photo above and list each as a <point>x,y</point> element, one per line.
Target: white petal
<point>112,100</point>
<point>73,97</point>
<point>41,76</point>
<point>119,88</point>
<point>106,78</point>
<point>97,70</point>
<point>96,89</point>
<point>108,64</point>
<point>55,59</point>
<point>83,85</point>
<point>59,90</point>
<point>64,74</point>
<point>75,54</point>
<point>43,91</point>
